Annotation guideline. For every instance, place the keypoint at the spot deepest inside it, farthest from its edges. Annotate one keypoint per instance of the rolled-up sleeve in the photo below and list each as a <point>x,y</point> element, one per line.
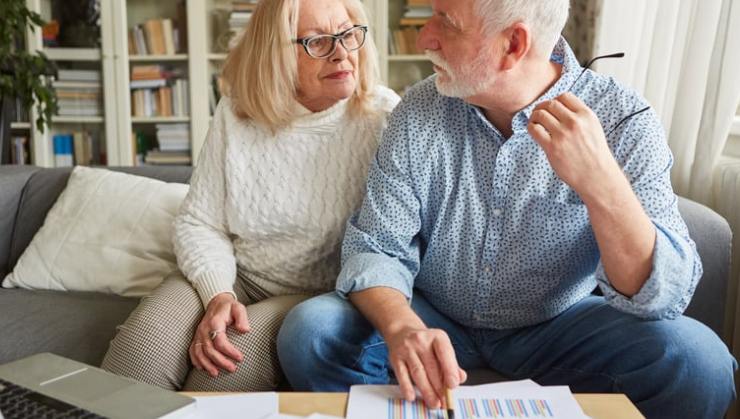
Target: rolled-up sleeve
<point>647,161</point>
<point>381,244</point>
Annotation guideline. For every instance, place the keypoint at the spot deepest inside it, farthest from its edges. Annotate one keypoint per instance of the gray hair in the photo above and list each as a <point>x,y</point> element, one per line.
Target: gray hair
<point>546,18</point>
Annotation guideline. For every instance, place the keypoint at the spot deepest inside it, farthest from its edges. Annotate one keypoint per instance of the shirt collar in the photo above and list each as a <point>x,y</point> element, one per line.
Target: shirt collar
<point>562,54</point>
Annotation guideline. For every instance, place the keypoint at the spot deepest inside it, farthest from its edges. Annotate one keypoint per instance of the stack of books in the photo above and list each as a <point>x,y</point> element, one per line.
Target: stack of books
<point>417,13</point>
<point>174,145</point>
<point>173,137</point>
<point>154,37</point>
<point>78,93</point>
<point>76,148</point>
<point>157,91</point>
<point>241,12</point>
<point>403,40</point>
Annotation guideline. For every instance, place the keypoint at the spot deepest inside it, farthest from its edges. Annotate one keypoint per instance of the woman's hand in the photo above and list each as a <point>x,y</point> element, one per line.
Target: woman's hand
<point>211,350</point>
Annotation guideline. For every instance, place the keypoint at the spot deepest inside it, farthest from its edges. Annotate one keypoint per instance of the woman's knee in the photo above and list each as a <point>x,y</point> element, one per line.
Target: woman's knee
<point>152,344</point>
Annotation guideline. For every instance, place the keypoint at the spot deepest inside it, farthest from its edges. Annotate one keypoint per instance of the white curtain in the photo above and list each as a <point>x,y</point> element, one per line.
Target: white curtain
<point>684,57</point>
<point>680,57</point>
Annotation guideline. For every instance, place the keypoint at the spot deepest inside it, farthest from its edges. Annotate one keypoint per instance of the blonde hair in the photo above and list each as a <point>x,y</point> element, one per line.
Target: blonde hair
<point>261,72</point>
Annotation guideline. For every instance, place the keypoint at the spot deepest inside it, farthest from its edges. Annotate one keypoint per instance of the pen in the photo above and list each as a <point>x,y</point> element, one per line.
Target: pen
<point>450,406</point>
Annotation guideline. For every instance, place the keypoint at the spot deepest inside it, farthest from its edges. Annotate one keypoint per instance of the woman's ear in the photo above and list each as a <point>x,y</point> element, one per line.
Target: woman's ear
<point>517,44</point>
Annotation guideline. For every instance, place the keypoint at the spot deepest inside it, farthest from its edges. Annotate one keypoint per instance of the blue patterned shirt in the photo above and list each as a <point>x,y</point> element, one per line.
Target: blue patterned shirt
<point>485,230</point>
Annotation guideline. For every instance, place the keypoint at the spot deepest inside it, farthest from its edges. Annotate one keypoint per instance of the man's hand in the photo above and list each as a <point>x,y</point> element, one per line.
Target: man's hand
<point>218,353</point>
<point>573,140</point>
<point>424,357</point>
<point>419,356</point>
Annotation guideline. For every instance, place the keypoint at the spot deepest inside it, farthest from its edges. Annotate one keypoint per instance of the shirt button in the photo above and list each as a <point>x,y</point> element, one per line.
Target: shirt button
<point>497,212</point>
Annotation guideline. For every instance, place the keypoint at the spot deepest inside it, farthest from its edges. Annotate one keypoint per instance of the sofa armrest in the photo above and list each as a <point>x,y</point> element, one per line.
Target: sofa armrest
<point>13,180</point>
<point>713,239</point>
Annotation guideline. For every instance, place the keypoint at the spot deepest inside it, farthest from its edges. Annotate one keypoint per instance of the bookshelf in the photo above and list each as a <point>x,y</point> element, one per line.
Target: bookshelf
<point>85,64</point>
<point>398,71</point>
<point>206,23</point>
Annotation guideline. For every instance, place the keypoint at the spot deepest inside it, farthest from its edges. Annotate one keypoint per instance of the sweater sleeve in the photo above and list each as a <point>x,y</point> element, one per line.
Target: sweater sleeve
<point>201,241</point>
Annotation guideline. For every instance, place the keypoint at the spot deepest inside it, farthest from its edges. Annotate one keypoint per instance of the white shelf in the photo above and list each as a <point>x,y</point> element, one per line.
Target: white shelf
<point>72,54</point>
<point>155,58</point>
<point>735,130</point>
<point>77,119</point>
<point>217,56</point>
<point>20,125</point>
<point>407,58</point>
<point>199,61</point>
<point>158,119</point>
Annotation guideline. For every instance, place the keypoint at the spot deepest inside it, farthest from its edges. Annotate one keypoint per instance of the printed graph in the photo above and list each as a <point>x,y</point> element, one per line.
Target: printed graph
<point>402,409</point>
<point>503,408</point>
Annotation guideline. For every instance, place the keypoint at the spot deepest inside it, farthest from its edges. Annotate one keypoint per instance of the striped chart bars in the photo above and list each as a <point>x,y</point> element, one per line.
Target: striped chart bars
<point>503,408</point>
<point>402,409</point>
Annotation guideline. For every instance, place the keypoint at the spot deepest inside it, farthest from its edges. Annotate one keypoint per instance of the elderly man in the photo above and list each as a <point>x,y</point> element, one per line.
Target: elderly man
<point>507,188</point>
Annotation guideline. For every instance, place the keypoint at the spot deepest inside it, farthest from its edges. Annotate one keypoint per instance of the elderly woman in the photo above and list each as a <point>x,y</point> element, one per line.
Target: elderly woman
<point>283,167</point>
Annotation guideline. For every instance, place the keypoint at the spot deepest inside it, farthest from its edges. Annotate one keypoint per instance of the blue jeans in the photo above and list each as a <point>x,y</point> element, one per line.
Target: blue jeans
<point>668,368</point>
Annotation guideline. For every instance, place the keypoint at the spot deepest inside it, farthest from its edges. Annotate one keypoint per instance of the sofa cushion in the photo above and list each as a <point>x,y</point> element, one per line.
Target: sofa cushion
<point>107,232</point>
<point>72,324</point>
<point>13,180</point>
<point>713,239</point>
<point>45,186</point>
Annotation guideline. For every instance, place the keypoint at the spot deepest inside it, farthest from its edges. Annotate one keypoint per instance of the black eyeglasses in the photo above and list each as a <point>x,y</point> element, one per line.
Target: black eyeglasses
<point>586,67</point>
<point>322,46</point>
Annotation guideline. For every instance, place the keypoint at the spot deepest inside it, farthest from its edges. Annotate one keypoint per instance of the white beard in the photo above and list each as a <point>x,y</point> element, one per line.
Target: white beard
<point>469,81</point>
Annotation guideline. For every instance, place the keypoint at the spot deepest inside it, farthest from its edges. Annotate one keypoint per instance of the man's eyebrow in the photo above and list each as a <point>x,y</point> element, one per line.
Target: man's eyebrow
<point>450,19</point>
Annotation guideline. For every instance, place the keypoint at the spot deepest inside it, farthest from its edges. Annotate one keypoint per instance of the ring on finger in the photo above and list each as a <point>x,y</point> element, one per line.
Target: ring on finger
<point>213,333</point>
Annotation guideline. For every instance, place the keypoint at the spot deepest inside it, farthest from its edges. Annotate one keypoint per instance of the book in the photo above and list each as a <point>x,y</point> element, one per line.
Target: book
<point>82,148</point>
<point>19,150</point>
<point>408,21</point>
<point>155,36</point>
<point>63,150</point>
<point>140,38</point>
<point>167,32</point>
<point>147,84</point>
<point>64,84</point>
<point>168,157</point>
<point>79,75</point>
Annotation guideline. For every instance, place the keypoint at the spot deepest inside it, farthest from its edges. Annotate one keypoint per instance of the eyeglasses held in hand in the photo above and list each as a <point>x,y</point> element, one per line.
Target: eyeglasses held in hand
<point>322,46</point>
<point>586,67</point>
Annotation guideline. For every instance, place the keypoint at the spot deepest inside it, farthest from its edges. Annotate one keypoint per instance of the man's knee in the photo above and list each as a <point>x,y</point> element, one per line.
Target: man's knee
<point>311,326</point>
<point>688,361</point>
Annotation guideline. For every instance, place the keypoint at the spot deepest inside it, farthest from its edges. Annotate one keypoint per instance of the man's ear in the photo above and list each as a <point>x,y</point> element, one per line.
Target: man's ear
<point>517,45</point>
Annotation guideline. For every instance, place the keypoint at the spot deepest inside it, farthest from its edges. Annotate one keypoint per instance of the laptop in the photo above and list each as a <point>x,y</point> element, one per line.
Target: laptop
<point>50,382</point>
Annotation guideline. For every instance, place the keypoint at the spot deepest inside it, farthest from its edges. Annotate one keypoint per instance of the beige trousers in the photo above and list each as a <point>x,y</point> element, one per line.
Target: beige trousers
<point>152,345</point>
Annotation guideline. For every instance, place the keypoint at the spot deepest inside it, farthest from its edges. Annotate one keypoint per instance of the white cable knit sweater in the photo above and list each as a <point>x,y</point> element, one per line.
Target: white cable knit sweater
<point>275,207</point>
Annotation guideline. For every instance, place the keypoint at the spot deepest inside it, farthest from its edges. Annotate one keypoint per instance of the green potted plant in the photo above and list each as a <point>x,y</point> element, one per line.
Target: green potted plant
<point>23,75</point>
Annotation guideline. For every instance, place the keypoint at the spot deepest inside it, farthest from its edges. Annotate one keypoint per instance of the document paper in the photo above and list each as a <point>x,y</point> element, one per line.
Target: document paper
<point>519,399</point>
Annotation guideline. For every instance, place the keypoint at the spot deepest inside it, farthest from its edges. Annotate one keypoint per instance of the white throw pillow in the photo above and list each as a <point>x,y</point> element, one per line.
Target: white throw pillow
<point>107,232</point>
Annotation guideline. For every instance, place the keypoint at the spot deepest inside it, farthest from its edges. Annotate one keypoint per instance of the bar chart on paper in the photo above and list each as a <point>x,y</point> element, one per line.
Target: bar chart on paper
<point>402,409</point>
<point>520,399</point>
<point>503,408</point>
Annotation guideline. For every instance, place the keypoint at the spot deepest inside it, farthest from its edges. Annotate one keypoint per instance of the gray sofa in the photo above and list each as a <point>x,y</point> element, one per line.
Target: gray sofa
<point>80,325</point>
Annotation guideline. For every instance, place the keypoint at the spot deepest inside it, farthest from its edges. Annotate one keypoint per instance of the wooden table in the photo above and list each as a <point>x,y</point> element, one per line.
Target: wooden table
<point>597,406</point>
